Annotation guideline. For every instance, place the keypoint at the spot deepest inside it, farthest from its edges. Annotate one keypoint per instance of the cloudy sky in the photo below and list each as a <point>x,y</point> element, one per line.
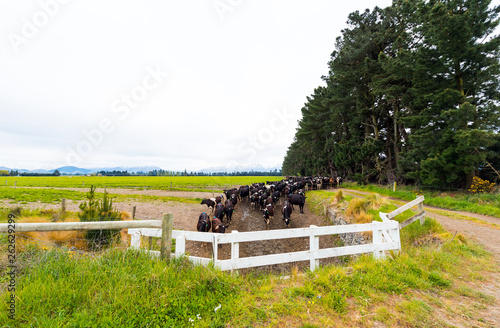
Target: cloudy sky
<point>177,84</point>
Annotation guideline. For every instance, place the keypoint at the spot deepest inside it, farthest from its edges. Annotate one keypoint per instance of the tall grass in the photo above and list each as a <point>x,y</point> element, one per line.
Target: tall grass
<point>119,289</point>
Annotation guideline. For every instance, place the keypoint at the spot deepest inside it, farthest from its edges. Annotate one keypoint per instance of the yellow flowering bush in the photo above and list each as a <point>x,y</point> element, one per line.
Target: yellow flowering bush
<point>479,185</point>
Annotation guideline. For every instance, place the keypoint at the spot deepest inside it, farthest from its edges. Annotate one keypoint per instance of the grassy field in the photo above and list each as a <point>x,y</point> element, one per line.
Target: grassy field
<point>140,182</point>
<point>51,196</point>
<point>417,288</point>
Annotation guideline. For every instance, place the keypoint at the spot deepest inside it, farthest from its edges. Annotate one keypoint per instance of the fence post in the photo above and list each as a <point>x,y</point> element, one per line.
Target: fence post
<point>377,239</point>
<point>180,246</point>
<point>235,250</point>
<point>421,209</point>
<point>395,235</point>
<point>214,249</point>
<point>166,236</point>
<point>63,205</point>
<point>150,243</point>
<point>133,213</point>
<point>135,240</point>
<point>313,246</point>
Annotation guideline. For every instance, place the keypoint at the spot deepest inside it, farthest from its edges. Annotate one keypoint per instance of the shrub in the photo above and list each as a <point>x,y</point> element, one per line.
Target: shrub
<point>99,210</point>
<point>481,186</point>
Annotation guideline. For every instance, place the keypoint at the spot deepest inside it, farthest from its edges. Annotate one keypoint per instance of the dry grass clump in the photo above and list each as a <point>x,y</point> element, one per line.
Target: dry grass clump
<point>361,205</point>
<point>362,217</point>
<point>356,206</point>
<point>70,239</point>
<point>375,201</point>
<point>48,238</point>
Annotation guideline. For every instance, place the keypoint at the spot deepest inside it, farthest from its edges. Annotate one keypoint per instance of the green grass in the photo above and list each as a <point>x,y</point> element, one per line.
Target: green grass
<point>51,196</point>
<point>417,287</point>
<point>57,288</point>
<point>119,289</point>
<point>487,204</point>
<point>140,182</point>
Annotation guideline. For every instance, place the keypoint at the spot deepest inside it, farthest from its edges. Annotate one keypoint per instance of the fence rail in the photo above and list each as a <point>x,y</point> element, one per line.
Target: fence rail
<point>386,237</point>
<point>163,226</point>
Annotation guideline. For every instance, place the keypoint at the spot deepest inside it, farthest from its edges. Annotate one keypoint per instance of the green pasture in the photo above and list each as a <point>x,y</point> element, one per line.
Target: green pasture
<point>51,196</point>
<point>204,183</point>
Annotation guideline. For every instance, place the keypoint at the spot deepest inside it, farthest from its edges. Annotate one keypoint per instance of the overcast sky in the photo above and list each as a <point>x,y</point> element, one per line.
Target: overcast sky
<point>177,84</point>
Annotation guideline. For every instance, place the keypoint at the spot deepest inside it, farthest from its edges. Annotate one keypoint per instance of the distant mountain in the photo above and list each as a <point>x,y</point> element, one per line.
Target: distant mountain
<point>27,171</point>
<point>73,170</point>
<point>241,168</point>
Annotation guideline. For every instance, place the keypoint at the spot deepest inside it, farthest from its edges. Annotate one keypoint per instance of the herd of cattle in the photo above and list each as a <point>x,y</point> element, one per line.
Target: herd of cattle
<point>265,196</point>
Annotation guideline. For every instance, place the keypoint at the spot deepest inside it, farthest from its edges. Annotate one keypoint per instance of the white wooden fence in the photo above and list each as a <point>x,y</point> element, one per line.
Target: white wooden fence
<point>385,237</point>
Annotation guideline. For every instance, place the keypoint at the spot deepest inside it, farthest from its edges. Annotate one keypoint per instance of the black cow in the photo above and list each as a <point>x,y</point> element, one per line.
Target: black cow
<point>219,211</point>
<point>286,210</point>
<point>276,196</point>
<point>229,192</point>
<point>204,224</point>
<point>234,199</point>
<point>244,192</point>
<point>209,203</point>
<point>268,213</point>
<point>300,200</point>
<point>254,198</point>
<point>228,210</point>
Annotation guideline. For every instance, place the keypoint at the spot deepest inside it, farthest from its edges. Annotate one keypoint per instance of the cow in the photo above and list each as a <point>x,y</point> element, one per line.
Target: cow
<point>228,210</point>
<point>229,192</point>
<point>253,200</point>
<point>286,210</point>
<point>244,192</point>
<point>217,226</point>
<point>339,181</point>
<point>269,201</point>
<point>204,224</point>
<point>219,211</point>
<point>219,199</point>
<point>209,203</point>
<point>300,200</point>
<point>234,199</point>
<point>276,196</point>
<point>268,213</point>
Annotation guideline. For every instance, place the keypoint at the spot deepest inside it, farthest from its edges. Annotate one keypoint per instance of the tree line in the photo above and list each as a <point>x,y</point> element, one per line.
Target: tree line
<point>411,96</point>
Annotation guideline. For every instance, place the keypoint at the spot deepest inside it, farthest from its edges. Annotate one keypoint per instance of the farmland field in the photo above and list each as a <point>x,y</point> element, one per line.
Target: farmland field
<point>163,183</point>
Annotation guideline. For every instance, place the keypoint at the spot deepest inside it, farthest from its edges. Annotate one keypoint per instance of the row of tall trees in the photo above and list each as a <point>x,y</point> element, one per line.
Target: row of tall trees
<point>412,95</point>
